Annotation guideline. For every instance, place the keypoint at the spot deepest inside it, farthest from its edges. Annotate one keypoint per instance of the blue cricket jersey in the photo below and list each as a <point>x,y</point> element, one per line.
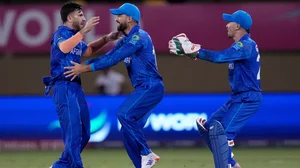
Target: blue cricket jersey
<point>137,51</point>
<point>244,64</point>
<point>59,60</point>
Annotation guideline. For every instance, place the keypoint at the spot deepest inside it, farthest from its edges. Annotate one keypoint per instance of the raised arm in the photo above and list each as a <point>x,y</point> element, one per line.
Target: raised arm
<point>66,43</point>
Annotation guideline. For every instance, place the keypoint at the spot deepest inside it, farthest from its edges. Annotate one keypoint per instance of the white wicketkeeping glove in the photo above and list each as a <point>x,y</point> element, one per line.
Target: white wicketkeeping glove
<point>181,45</point>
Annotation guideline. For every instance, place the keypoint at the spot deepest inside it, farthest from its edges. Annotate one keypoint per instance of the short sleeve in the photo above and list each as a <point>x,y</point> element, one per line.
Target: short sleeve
<point>61,36</point>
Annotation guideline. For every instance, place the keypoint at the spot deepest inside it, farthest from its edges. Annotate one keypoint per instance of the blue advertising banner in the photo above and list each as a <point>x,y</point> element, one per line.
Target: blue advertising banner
<point>32,118</point>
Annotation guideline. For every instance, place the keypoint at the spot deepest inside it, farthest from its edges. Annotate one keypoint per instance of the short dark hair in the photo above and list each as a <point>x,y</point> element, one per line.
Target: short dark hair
<point>68,8</point>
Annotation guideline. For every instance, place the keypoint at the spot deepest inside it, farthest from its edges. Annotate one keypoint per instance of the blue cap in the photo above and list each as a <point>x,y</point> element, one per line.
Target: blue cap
<point>129,10</point>
<point>240,17</point>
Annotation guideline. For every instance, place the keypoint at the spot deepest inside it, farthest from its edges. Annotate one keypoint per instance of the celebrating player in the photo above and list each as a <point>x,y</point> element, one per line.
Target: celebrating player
<point>137,51</point>
<point>71,106</point>
<point>244,77</point>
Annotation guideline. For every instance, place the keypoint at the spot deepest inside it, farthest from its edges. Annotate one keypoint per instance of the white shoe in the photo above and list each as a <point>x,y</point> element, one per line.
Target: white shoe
<point>156,157</point>
<point>149,160</point>
<point>51,166</point>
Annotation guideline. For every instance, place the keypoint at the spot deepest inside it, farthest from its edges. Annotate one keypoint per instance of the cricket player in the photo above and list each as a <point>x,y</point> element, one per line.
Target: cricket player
<point>137,52</point>
<point>244,77</point>
<point>68,97</point>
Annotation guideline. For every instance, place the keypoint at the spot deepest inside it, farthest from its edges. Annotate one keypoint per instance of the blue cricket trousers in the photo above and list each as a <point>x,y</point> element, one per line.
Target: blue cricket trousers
<point>74,118</point>
<point>133,114</point>
<point>236,112</point>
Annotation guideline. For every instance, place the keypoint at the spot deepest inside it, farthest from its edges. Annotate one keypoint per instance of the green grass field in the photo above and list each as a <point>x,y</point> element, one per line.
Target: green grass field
<point>170,158</point>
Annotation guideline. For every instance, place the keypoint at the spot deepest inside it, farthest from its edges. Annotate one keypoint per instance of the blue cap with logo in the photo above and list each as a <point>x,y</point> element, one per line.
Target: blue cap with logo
<point>240,17</point>
<point>129,10</point>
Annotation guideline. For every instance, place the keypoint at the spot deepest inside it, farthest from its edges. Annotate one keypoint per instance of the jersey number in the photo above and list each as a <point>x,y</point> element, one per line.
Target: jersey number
<point>258,74</point>
<point>154,54</point>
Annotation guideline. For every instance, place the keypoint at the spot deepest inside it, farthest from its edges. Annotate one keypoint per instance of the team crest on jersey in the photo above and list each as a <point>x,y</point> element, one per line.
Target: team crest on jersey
<point>134,39</point>
<point>231,66</point>
<point>238,45</point>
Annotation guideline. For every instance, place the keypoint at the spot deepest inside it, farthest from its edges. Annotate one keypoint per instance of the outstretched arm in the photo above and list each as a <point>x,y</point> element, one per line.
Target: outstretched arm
<point>238,51</point>
<point>114,49</point>
<point>107,60</point>
<point>181,45</point>
<point>97,45</point>
<point>112,59</point>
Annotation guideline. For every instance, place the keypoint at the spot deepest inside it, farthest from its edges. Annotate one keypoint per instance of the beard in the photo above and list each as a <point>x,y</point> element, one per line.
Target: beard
<point>76,26</point>
<point>229,35</point>
<point>122,27</point>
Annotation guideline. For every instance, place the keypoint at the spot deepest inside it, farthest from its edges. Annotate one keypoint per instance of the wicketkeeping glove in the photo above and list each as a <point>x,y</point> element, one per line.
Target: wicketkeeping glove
<point>181,45</point>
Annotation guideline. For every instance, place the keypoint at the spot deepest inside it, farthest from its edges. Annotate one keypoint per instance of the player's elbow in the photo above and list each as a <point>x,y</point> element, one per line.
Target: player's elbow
<point>89,52</point>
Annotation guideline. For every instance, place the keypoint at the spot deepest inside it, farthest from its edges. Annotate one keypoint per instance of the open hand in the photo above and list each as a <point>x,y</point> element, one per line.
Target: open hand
<point>92,22</point>
<point>74,71</point>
